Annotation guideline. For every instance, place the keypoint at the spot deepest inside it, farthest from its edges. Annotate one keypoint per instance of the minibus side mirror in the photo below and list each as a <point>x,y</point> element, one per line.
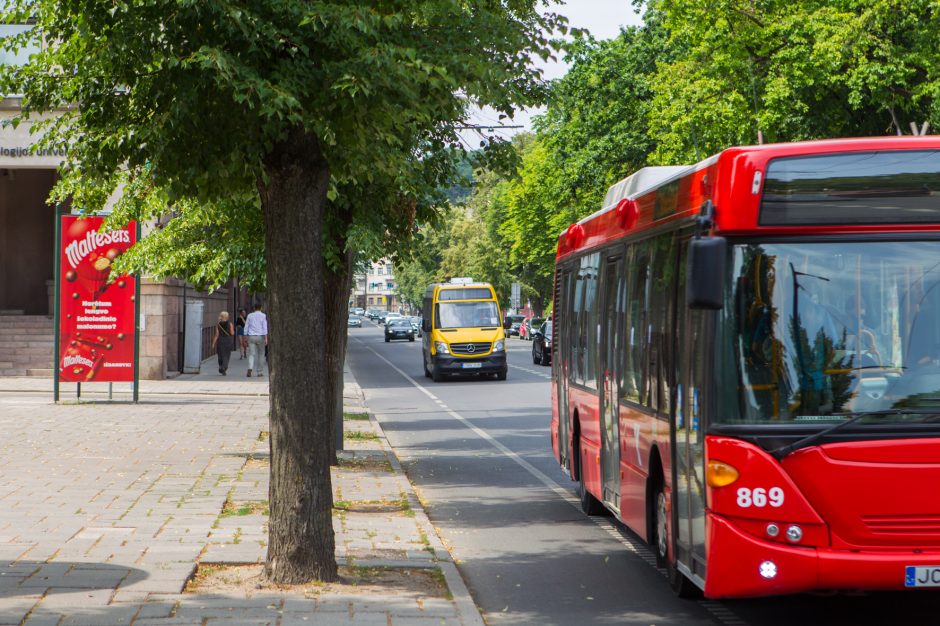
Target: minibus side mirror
<point>426,325</point>
<point>705,273</point>
<point>507,322</point>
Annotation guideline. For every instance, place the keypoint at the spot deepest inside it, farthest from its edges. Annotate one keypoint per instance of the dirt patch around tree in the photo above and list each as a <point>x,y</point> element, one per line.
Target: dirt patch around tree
<point>247,580</point>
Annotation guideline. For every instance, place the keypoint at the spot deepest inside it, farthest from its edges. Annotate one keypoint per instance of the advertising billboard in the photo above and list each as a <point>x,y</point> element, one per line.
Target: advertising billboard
<point>97,311</point>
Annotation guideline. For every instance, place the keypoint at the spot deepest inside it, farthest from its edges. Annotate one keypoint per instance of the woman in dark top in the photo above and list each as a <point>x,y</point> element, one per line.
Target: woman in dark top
<point>240,333</point>
<point>222,341</point>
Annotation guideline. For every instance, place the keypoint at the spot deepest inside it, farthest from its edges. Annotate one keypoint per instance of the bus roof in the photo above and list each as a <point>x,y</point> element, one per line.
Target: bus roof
<point>734,181</point>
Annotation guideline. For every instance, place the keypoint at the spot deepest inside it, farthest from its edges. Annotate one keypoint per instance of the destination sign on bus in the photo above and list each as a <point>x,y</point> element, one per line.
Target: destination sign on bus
<point>856,187</point>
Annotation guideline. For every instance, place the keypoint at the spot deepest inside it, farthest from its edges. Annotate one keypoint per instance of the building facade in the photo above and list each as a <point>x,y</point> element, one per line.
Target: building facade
<point>376,288</point>
<point>27,261</point>
<point>27,267</point>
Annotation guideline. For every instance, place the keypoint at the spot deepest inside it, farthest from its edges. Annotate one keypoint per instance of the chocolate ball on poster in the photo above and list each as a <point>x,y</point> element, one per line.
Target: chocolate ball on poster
<point>120,336</point>
<point>68,316</point>
<point>133,298</point>
<point>71,275</point>
<point>112,253</point>
<point>79,227</point>
<point>122,284</point>
<point>75,295</point>
<point>73,343</point>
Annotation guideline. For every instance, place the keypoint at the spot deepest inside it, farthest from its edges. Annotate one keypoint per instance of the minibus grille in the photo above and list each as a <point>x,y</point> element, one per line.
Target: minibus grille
<point>470,349</point>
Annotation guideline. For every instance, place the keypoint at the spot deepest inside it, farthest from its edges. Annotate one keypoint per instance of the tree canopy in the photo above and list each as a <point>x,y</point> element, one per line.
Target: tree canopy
<point>306,127</point>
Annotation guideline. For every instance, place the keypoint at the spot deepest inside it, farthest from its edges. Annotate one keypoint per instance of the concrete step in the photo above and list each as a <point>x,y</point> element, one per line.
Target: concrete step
<point>39,372</point>
<point>13,371</point>
<point>27,341</point>
<point>38,321</point>
<point>34,333</point>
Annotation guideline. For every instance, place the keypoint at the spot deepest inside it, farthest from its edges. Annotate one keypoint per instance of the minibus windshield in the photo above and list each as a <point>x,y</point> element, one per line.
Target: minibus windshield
<point>466,314</point>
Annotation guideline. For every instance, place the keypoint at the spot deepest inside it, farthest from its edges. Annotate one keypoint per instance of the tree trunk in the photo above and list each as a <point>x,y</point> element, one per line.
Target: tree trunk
<point>338,283</point>
<point>301,545</point>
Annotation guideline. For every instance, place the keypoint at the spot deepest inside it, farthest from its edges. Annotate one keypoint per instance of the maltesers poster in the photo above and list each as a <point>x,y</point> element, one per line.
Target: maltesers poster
<point>97,312</point>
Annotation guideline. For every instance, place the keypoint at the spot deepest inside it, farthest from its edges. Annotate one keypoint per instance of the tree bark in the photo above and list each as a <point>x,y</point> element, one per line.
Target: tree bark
<point>301,544</point>
<point>338,283</point>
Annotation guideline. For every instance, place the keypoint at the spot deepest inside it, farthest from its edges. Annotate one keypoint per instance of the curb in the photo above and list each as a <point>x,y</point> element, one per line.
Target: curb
<point>466,608</point>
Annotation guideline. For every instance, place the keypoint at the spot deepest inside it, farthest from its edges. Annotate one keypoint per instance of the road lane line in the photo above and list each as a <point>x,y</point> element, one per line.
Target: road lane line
<point>717,610</point>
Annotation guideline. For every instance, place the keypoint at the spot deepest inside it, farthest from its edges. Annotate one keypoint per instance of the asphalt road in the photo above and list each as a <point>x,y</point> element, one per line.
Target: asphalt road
<point>479,455</point>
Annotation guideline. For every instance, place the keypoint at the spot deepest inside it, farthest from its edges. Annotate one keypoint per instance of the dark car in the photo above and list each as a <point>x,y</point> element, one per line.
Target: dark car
<point>354,321</point>
<point>399,328</point>
<point>514,321</point>
<point>542,344</point>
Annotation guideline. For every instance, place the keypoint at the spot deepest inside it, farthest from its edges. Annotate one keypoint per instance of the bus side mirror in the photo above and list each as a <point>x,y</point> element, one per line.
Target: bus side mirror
<point>426,325</point>
<point>705,273</point>
<point>507,322</point>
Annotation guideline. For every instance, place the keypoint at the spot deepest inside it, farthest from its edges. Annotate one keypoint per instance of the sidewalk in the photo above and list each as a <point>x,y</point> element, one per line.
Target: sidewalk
<point>156,513</point>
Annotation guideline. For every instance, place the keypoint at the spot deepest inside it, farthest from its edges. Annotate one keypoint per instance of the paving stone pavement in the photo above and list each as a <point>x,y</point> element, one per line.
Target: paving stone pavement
<point>107,508</point>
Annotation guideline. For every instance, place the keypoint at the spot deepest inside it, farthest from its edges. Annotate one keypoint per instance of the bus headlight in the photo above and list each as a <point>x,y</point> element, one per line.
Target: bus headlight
<point>498,346</point>
<point>441,347</point>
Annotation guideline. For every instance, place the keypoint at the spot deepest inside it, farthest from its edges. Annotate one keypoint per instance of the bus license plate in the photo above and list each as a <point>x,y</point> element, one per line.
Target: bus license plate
<point>923,576</point>
<point>472,366</point>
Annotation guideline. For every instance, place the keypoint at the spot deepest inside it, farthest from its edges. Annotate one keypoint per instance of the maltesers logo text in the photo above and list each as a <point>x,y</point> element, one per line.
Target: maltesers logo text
<point>79,249</point>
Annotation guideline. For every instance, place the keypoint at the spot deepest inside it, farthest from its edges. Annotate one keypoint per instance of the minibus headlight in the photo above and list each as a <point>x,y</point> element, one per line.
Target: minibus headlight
<point>441,347</point>
<point>720,474</point>
<point>498,346</point>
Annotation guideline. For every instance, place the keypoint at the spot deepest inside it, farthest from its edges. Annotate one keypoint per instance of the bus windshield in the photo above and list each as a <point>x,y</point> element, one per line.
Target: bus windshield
<point>466,314</point>
<point>815,331</point>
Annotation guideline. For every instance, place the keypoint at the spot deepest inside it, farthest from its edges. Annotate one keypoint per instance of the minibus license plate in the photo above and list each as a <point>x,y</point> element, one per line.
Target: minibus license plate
<point>926,576</point>
<point>472,366</point>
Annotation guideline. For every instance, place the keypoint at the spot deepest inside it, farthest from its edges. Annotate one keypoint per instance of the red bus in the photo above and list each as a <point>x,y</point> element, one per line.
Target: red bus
<point>746,366</point>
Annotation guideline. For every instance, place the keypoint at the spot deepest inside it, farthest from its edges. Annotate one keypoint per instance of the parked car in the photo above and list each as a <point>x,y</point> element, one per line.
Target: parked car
<point>542,344</point>
<point>399,328</point>
<point>359,311</point>
<point>385,316</point>
<point>530,326</point>
<point>354,321</point>
<point>416,324</point>
<point>515,321</point>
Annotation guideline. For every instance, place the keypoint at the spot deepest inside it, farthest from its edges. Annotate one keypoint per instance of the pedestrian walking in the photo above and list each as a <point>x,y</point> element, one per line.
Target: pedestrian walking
<point>240,334</point>
<point>222,341</point>
<point>256,329</point>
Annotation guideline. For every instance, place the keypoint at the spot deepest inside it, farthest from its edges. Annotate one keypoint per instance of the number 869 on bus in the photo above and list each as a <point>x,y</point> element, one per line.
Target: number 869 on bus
<point>760,497</point>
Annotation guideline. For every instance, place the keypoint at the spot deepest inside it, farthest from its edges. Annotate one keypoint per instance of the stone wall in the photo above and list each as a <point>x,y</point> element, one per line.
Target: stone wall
<point>162,313</point>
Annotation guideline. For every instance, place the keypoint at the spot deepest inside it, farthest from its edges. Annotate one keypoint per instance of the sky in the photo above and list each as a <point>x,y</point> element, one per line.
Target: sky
<point>602,18</point>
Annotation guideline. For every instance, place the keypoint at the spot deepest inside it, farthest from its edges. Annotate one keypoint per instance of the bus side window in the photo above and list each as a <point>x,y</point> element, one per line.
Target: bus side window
<point>589,327</point>
<point>635,378</point>
<point>574,326</point>
<point>662,298</point>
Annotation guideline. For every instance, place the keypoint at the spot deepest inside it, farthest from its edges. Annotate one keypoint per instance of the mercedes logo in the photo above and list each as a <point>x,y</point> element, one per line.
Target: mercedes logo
<point>471,348</point>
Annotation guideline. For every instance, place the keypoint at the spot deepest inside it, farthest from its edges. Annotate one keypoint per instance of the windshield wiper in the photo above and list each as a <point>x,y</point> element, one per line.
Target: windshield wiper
<point>809,440</point>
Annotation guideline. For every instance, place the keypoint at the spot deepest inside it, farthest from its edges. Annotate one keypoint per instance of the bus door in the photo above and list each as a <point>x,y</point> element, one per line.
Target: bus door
<point>689,431</point>
<point>612,309</point>
<point>561,355</point>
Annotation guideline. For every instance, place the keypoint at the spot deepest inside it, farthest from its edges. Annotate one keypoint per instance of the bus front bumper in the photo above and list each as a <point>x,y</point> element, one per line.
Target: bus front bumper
<point>742,565</point>
<point>490,364</point>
